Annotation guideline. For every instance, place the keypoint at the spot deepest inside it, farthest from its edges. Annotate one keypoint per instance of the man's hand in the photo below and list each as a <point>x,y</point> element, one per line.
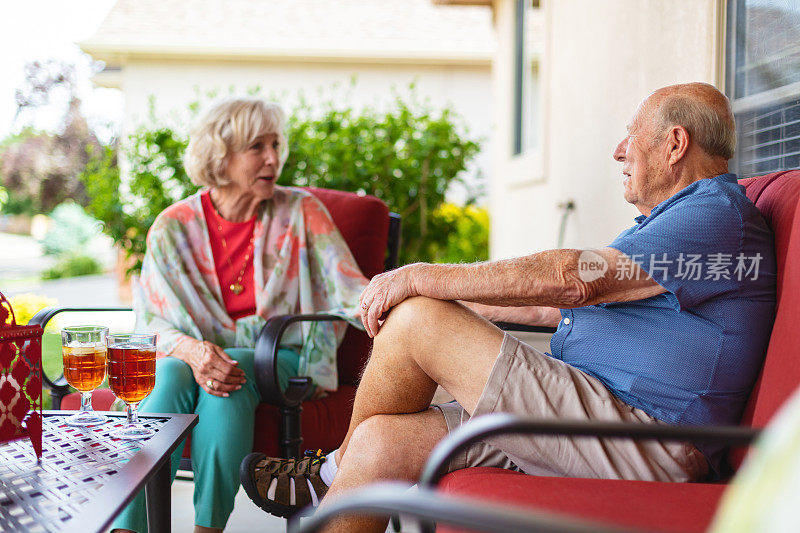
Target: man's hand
<point>384,292</point>
<point>213,369</point>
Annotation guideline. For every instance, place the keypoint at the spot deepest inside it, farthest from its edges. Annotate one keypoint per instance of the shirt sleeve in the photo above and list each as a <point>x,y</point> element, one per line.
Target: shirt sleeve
<point>690,248</point>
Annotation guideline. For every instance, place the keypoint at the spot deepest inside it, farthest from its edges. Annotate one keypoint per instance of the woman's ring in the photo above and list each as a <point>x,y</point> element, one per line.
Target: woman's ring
<point>210,383</point>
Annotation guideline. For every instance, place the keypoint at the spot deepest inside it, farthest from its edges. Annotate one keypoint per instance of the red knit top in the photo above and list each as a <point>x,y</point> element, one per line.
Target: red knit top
<point>229,258</point>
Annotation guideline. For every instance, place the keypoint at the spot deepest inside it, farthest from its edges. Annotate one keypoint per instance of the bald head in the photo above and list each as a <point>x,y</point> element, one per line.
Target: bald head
<point>699,108</point>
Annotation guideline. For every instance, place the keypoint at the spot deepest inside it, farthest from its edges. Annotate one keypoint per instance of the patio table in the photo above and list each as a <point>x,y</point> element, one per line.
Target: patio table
<point>86,477</point>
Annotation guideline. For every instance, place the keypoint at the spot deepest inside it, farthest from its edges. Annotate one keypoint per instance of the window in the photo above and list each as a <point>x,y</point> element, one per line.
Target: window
<point>763,83</point>
<point>527,38</point>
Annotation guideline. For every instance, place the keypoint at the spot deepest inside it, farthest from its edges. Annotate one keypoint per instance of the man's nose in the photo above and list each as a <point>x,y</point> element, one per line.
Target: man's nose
<point>622,147</point>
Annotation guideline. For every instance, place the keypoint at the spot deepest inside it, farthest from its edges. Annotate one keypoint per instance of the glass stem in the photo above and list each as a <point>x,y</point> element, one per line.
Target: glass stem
<point>133,413</point>
<point>86,401</point>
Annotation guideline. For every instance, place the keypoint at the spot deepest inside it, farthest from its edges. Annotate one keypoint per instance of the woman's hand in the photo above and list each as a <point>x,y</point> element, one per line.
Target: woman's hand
<point>384,292</point>
<point>213,369</point>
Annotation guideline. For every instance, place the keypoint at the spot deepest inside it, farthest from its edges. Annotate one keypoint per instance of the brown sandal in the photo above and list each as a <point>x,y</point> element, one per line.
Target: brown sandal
<point>257,472</point>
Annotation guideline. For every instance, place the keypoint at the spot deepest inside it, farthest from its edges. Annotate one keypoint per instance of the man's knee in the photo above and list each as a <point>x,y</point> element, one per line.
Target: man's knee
<point>395,446</point>
<point>373,439</point>
<point>415,316</point>
<point>377,447</point>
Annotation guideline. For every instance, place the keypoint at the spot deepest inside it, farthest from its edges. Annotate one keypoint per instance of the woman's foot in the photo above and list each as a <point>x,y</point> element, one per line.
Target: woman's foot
<point>282,487</point>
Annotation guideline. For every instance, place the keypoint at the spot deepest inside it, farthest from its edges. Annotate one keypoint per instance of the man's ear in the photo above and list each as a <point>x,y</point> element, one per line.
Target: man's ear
<point>677,144</point>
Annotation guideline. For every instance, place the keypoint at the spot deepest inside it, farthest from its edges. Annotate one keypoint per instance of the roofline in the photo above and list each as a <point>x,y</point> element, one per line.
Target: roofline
<point>119,53</point>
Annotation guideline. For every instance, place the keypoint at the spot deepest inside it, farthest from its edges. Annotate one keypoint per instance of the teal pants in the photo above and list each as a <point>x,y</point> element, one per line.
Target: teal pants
<point>220,440</point>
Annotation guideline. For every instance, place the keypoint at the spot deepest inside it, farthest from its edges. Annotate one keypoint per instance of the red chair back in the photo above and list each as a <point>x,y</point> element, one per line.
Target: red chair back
<point>777,196</point>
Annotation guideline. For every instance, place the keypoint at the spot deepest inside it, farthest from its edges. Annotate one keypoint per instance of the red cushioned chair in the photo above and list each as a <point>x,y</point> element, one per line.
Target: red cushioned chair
<point>654,506</point>
<point>373,235</point>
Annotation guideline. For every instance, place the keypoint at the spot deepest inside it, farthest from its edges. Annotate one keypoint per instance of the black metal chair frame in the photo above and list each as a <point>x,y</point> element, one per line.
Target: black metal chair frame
<point>266,358</point>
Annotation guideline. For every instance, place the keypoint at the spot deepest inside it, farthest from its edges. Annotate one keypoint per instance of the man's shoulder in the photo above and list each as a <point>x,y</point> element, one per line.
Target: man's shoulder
<point>708,202</point>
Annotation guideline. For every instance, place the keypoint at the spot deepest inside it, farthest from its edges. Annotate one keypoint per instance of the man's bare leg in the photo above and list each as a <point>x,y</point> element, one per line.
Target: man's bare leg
<point>392,430</point>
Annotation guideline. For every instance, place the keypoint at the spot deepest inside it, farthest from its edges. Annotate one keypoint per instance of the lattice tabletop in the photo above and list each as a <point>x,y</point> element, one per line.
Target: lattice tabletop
<point>76,464</point>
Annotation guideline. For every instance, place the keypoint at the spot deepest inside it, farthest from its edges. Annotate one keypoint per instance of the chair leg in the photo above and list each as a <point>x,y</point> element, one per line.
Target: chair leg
<point>290,438</point>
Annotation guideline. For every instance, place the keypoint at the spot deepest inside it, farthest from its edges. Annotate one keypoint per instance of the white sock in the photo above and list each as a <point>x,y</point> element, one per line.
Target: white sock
<point>328,468</point>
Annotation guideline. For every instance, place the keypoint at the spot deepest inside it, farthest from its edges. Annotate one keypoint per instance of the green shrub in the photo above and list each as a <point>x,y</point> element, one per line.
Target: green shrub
<point>72,229</point>
<point>69,266</point>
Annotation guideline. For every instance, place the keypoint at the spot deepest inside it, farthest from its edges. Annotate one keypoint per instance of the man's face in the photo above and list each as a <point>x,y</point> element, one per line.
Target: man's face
<point>644,170</point>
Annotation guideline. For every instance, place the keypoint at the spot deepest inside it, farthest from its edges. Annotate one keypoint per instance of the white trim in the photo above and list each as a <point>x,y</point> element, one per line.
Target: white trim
<point>773,96</point>
<point>113,53</point>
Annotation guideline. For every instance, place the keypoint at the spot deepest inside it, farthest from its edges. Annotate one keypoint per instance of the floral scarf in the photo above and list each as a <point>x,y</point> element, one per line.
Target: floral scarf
<point>301,263</point>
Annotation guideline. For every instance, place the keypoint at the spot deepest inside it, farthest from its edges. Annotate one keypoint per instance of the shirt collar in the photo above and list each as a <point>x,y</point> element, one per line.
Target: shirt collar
<point>728,177</point>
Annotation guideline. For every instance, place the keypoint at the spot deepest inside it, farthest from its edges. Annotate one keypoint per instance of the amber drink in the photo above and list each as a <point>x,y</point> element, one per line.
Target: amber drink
<point>131,372</point>
<point>84,352</point>
<point>132,376</point>
<point>84,366</point>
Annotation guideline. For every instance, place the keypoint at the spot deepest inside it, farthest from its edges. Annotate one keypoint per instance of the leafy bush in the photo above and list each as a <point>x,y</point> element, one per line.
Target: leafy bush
<point>72,229</point>
<point>72,265</point>
<point>407,156</point>
<point>28,304</point>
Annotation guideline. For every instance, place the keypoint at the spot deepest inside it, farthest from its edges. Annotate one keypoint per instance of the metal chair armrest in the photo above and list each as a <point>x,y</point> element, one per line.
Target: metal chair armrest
<point>383,499</point>
<point>504,424</point>
<point>58,386</point>
<point>266,361</point>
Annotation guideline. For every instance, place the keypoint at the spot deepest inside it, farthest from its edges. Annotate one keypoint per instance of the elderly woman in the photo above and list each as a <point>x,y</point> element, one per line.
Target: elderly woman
<point>218,264</point>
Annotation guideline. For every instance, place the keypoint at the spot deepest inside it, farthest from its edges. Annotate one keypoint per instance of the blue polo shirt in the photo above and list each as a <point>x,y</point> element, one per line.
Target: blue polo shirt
<point>691,354</point>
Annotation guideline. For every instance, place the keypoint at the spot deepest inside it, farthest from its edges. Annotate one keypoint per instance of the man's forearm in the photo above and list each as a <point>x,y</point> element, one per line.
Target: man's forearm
<point>551,279</point>
<point>542,279</point>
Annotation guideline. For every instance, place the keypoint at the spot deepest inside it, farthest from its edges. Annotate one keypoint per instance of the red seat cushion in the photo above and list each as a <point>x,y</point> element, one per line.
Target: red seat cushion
<point>657,506</point>
<point>101,400</point>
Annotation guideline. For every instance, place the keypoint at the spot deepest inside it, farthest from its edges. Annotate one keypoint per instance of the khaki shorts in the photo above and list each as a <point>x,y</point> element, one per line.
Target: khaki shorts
<point>525,381</point>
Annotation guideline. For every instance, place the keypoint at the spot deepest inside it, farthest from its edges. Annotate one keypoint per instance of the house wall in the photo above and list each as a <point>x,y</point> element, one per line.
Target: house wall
<point>599,60</point>
<point>174,83</point>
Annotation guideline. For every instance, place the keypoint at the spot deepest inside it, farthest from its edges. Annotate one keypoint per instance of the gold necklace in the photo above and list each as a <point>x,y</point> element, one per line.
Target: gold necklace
<point>236,287</point>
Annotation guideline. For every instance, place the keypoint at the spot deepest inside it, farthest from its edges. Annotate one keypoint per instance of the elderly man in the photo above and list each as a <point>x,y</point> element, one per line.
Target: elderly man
<point>667,324</point>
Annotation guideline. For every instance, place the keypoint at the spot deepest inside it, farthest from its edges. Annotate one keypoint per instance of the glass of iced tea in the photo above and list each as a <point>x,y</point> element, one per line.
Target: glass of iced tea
<point>84,351</point>
<point>132,376</point>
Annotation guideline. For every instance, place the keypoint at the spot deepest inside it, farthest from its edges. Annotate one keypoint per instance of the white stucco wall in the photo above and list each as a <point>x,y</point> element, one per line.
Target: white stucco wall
<point>599,60</point>
<point>174,83</point>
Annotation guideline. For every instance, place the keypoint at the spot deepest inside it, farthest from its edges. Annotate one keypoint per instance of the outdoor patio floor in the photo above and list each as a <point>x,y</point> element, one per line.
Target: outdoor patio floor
<point>246,517</point>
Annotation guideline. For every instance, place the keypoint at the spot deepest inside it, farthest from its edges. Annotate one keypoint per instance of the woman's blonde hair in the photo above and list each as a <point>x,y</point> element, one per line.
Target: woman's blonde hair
<point>230,126</point>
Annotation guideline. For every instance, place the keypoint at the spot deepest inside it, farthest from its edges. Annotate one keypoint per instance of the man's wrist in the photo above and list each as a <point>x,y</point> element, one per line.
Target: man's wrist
<point>418,277</point>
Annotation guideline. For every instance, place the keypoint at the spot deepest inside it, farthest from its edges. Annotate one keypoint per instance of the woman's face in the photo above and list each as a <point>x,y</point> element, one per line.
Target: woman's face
<point>254,170</point>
